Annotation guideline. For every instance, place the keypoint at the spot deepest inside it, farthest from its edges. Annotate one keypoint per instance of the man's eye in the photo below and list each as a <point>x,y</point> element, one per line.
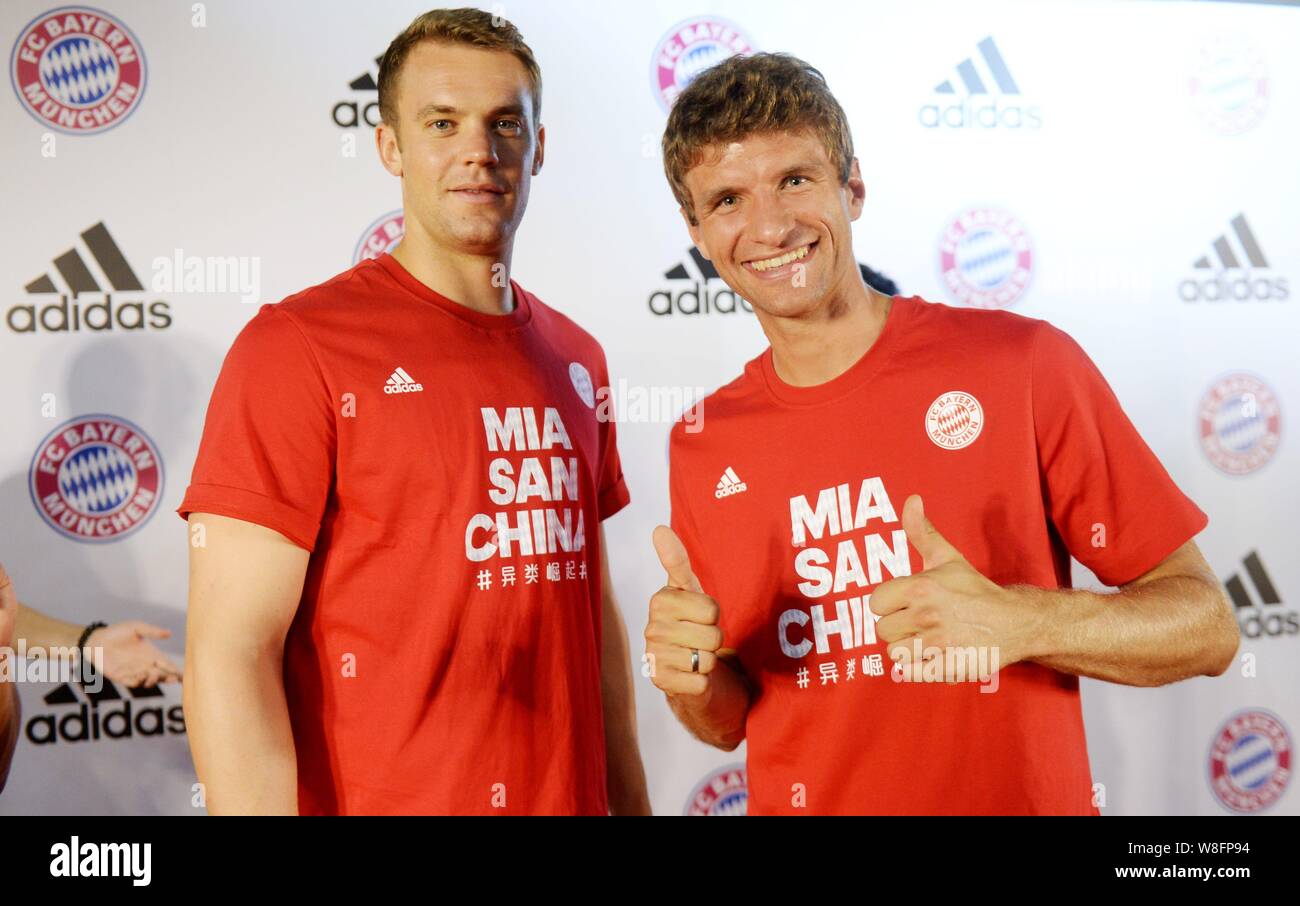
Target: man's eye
<point>441,125</point>
<point>509,124</point>
<point>792,179</point>
<point>727,201</point>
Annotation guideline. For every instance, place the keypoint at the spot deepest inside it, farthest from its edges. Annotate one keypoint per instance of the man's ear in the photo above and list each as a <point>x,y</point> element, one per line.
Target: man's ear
<point>390,153</point>
<point>694,230</point>
<point>857,190</point>
<point>541,150</point>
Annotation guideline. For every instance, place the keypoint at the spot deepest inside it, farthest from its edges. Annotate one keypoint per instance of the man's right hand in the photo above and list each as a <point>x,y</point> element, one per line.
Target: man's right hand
<point>682,618</point>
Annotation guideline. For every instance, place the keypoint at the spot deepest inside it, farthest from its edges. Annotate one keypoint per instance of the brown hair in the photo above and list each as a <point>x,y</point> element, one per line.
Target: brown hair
<point>475,27</point>
<point>747,95</point>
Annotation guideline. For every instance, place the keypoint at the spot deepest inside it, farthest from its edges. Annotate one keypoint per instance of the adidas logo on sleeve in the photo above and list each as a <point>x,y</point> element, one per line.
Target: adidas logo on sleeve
<point>729,484</point>
<point>401,382</point>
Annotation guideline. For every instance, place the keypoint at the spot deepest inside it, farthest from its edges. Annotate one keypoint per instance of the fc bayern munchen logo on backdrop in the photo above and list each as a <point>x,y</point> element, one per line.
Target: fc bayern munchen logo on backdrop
<point>380,237</point>
<point>1250,761</point>
<point>96,478</point>
<point>78,70</point>
<point>1240,423</point>
<point>1229,87</point>
<point>690,47</point>
<point>985,259</point>
<point>724,792</point>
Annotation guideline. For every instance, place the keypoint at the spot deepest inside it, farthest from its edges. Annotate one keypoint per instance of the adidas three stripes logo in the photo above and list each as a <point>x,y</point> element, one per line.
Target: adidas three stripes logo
<point>401,382</point>
<point>729,484</point>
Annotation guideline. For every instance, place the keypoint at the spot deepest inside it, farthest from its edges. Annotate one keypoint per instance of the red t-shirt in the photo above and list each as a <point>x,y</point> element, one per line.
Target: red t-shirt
<point>790,500</point>
<point>448,472</point>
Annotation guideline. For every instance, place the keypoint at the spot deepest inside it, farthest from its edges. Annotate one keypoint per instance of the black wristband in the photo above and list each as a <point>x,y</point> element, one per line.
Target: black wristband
<point>85,635</point>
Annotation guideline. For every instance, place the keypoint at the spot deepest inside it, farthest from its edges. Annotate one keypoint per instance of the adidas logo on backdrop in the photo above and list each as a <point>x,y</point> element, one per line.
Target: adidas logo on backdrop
<point>77,278</point>
<point>1241,272</point>
<point>986,96</point>
<point>1262,619</point>
<point>105,714</point>
<point>360,109</point>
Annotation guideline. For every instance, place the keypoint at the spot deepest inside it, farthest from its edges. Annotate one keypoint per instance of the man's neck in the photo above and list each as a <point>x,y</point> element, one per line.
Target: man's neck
<point>827,342</point>
<point>478,282</point>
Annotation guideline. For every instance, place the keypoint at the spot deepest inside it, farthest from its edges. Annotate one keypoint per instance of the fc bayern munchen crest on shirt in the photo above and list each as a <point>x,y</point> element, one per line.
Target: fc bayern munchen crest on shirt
<point>96,478</point>
<point>724,792</point>
<point>690,47</point>
<point>380,237</point>
<point>1250,761</point>
<point>1240,423</point>
<point>581,378</point>
<point>954,420</point>
<point>985,258</point>
<point>78,70</point>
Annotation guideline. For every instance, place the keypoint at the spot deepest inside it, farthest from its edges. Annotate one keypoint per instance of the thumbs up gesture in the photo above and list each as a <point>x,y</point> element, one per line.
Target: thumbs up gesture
<point>948,605</point>
<point>682,635</point>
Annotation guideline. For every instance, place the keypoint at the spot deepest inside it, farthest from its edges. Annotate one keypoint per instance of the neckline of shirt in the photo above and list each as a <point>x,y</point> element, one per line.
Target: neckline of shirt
<point>518,317</point>
<point>857,374</point>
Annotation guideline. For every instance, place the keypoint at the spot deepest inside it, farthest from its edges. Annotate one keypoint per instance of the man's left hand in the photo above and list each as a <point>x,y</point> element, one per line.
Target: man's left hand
<point>949,605</point>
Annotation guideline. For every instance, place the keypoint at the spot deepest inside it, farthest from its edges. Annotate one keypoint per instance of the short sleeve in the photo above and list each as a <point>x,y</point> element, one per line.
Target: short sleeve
<point>1112,502</point>
<point>267,453</point>
<point>612,493</point>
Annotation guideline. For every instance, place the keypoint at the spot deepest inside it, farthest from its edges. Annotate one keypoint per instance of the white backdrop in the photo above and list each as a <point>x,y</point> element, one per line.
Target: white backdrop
<point>1139,153</point>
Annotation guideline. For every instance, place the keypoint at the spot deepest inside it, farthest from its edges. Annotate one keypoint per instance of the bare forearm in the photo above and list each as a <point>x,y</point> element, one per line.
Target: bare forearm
<point>625,776</point>
<point>239,731</point>
<point>245,584</point>
<point>1162,631</point>
<point>39,630</point>
<point>716,717</point>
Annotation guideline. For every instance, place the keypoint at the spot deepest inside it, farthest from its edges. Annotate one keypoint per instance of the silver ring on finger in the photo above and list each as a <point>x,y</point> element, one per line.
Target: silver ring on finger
<point>695,660</point>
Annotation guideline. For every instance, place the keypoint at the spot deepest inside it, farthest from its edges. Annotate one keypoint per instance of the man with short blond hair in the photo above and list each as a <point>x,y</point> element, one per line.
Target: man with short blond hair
<point>813,599</point>
<point>401,602</point>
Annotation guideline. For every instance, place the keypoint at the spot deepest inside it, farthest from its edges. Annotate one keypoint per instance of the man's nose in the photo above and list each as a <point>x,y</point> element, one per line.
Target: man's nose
<point>480,148</point>
<point>770,221</point>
